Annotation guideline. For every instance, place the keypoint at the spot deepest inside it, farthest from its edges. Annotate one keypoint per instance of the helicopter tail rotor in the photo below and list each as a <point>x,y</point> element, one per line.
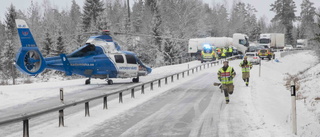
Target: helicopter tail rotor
<point>29,58</point>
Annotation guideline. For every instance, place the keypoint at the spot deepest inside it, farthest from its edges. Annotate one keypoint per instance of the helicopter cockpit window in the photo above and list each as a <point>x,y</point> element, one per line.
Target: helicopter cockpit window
<point>86,51</point>
<point>119,58</point>
<point>131,59</point>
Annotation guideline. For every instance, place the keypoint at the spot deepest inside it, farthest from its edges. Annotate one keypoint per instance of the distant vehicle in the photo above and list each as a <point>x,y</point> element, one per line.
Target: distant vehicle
<point>272,40</point>
<point>207,53</point>
<point>252,49</point>
<point>265,53</point>
<point>288,48</point>
<point>260,47</point>
<point>239,41</point>
<point>302,43</point>
<point>235,51</point>
<point>253,57</point>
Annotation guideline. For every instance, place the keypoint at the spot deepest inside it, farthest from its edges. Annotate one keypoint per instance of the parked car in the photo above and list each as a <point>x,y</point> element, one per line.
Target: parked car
<point>252,49</point>
<point>266,53</point>
<point>288,48</point>
<point>253,57</point>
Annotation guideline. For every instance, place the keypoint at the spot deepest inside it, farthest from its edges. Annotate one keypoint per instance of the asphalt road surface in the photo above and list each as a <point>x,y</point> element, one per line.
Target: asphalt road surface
<point>193,109</point>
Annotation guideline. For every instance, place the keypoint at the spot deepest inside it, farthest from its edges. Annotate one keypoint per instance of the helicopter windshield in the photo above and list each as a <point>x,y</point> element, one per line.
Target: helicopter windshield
<point>87,50</point>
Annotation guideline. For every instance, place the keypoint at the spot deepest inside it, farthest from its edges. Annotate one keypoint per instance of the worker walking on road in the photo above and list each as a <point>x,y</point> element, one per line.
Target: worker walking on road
<point>246,67</point>
<point>226,75</point>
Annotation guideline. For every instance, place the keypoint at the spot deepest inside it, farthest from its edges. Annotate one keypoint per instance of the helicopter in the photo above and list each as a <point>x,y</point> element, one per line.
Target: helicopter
<point>100,57</point>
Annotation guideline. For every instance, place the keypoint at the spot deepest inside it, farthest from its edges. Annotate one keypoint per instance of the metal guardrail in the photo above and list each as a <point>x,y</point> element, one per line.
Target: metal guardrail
<point>26,117</point>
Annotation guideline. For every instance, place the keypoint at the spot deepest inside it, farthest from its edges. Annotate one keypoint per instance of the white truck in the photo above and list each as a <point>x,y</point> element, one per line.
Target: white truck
<point>272,40</point>
<point>302,43</point>
<point>239,41</point>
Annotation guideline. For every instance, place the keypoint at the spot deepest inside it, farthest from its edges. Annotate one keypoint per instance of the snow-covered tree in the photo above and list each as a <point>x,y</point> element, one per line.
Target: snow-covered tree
<point>284,10</point>
<point>75,14</point>
<point>307,16</point>
<point>11,43</point>
<point>47,44</point>
<point>91,11</point>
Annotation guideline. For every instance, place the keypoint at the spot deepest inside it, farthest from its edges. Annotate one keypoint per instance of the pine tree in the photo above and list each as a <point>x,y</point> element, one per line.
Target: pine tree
<point>34,20</point>
<point>307,19</point>
<point>75,13</point>
<point>91,11</point>
<point>60,44</point>
<point>47,44</point>
<point>11,44</point>
<point>154,7</point>
<point>137,12</point>
<point>284,10</point>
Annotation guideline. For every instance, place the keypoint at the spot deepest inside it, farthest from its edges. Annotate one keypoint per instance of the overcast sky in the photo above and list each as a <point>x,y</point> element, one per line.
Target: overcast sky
<point>262,6</point>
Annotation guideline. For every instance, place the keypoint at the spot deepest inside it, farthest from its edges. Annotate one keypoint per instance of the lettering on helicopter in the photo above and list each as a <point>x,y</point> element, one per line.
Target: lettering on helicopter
<point>82,64</point>
<point>127,68</point>
<point>31,45</point>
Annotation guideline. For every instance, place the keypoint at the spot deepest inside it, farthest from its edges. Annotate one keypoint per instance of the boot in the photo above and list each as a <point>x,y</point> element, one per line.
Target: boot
<point>227,100</point>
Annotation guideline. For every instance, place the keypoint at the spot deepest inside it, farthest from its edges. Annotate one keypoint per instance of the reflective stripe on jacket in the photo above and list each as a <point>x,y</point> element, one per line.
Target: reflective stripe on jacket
<point>226,77</point>
<point>245,68</point>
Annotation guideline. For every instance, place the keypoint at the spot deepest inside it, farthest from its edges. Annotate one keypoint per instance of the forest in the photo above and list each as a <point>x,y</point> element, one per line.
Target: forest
<point>162,28</point>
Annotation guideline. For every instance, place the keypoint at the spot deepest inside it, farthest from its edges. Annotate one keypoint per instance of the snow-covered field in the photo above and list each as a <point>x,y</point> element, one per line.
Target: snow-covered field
<point>267,100</point>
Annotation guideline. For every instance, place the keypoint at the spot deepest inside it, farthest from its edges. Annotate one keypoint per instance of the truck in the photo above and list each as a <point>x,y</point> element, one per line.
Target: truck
<point>238,40</point>
<point>272,40</point>
<point>302,43</point>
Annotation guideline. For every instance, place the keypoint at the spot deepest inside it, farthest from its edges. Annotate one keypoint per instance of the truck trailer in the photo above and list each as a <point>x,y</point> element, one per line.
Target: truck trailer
<point>272,40</point>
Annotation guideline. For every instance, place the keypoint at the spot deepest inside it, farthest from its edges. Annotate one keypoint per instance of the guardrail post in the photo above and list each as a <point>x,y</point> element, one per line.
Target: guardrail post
<point>120,97</point>
<point>197,69</point>
<point>61,95</point>
<point>151,85</point>
<point>294,113</point>
<point>87,113</point>
<point>166,80</point>
<point>105,103</point>
<point>132,93</point>
<point>183,74</point>
<point>209,65</point>
<point>188,72</point>
<point>172,78</point>
<point>204,66</point>
<point>142,89</point>
<point>26,128</point>
<point>200,67</point>
<point>61,118</point>
<point>192,70</point>
<point>178,76</point>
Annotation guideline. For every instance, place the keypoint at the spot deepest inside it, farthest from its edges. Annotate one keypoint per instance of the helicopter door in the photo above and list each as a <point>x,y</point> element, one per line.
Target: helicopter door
<point>121,65</point>
<point>132,65</point>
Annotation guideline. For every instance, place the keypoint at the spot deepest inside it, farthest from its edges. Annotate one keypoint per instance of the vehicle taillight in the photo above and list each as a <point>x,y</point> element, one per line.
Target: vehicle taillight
<point>255,57</point>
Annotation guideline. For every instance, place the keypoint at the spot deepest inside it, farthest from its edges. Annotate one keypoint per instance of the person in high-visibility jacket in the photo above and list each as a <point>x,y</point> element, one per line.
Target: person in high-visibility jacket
<point>223,53</point>
<point>246,67</point>
<point>226,75</point>
<point>230,51</point>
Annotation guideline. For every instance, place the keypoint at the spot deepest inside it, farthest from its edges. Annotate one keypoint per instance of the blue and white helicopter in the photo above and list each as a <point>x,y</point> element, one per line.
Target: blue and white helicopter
<point>100,57</point>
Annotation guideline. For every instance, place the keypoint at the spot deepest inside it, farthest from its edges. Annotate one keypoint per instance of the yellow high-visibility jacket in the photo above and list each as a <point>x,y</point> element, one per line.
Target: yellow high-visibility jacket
<point>245,67</point>
<point>226,76</point>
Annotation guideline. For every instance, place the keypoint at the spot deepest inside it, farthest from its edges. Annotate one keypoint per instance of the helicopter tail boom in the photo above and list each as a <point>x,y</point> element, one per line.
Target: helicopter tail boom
<point>29,58</point>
